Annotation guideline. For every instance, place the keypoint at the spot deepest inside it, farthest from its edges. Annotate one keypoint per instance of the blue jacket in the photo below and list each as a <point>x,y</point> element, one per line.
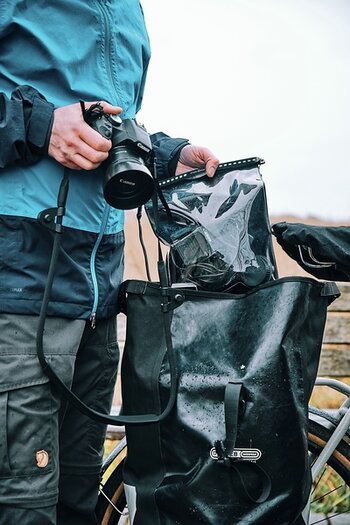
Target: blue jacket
<point>66,51</point>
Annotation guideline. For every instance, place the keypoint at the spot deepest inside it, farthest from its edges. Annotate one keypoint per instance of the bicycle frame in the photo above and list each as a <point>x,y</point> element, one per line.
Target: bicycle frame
<point>342,418</point>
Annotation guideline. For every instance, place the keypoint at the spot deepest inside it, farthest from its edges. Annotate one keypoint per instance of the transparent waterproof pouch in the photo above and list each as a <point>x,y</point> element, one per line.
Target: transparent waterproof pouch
<point>217,228</point>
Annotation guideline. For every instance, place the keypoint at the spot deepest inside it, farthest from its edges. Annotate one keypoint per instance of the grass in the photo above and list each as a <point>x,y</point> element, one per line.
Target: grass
<point>110,443</point>
<point>331,495</point>
<point>325,397</point>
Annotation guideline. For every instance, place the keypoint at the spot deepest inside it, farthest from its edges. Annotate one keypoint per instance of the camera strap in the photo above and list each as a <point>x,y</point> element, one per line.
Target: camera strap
<point>52,219</point>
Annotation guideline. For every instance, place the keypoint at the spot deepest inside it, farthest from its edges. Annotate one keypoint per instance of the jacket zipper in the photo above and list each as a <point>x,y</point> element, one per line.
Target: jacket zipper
<point>93,265</point>
<point>107,52</point>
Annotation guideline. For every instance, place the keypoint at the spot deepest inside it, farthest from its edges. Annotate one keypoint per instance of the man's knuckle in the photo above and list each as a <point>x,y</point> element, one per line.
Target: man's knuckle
<point>103,144</point>
<point>69,141</point>
<point>94,157</point>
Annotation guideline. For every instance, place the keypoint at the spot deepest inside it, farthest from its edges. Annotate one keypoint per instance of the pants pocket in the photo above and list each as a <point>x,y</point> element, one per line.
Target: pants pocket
<point>4,461</point>
<point>28,426</point>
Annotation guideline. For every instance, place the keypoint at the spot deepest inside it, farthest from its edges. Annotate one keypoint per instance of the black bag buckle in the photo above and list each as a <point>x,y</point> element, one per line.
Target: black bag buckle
<point>51,218</point>
<point>173,298</point>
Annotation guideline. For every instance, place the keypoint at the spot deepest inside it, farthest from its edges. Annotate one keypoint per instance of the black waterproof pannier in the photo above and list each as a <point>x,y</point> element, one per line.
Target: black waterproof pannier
<point>221,356</point>
<point>234,374</point>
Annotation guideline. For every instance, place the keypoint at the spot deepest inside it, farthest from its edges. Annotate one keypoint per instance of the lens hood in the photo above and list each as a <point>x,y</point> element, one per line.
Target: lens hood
<point>129,188</point>
<point>128,182</point>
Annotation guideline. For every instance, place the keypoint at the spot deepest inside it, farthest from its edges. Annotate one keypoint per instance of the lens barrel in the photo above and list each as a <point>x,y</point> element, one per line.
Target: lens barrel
<point>128,182</point>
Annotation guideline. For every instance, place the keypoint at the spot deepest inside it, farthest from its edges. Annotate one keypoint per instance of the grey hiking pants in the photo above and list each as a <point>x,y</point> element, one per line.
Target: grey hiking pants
<point>51,454</point>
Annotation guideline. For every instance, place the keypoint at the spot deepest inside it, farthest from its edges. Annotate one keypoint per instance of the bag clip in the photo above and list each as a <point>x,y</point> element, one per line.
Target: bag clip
<point>49,218</point>
<point>174,298</point>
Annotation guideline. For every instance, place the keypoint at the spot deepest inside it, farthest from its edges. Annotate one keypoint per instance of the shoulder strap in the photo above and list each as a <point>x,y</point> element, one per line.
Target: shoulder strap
<point>56,226</point>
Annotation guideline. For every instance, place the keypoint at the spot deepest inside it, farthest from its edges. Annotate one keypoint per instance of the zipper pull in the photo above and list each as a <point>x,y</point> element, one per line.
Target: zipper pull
<point>93,320</point>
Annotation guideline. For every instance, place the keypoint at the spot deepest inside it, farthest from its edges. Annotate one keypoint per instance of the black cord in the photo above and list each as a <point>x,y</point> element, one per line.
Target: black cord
<point>51,374</point>
<point>144,251</point>
<point>94,112</point>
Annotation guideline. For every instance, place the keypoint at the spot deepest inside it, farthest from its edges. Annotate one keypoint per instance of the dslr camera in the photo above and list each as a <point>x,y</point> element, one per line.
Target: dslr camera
<point>128,183</point>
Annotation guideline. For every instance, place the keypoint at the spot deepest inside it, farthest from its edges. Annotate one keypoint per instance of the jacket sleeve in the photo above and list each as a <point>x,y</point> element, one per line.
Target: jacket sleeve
<point>166,153</point>
<point>322,251</point>
<point>25,126</point>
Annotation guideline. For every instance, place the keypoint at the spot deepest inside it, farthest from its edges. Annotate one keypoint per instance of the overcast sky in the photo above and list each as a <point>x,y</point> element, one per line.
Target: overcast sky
<point>268,78</point>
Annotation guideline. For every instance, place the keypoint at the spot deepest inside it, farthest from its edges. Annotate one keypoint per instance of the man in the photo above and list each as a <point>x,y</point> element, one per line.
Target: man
<point>54,54</point>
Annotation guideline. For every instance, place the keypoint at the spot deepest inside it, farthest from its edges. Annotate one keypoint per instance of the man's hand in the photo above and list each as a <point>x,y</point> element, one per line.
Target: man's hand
<point>74,143</point>
<point>192,157</point>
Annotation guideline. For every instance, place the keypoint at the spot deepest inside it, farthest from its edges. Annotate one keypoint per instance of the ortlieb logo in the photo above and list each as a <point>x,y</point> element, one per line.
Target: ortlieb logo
<point>243,454</point>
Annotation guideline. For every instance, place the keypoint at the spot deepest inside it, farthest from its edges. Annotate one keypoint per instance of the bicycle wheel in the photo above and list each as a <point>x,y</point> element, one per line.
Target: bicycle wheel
<point>111,506</point>
<point>330,497</point>
<point>330,492</point>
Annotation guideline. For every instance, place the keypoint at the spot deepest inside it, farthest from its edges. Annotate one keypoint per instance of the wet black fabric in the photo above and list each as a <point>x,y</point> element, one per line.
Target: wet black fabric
<point>323,251</point>
<point>202,465</point>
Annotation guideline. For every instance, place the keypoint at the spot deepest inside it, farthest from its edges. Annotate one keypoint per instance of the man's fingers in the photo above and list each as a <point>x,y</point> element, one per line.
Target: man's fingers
<point>83,163</point>
<point>211,166</point>
<point>73,142</point>
<point>108,108</point>
<point>71,165</point>
<point>94,139</point>
<point>75,153</point>
<point>192,156</point>
<point>92,153</point>
<point>91,136</point>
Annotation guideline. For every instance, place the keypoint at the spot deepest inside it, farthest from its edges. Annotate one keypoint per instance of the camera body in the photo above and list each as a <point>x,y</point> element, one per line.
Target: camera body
<point>128,182</point>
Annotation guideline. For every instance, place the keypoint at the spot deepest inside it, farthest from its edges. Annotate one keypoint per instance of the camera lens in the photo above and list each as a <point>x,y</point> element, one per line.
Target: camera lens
<point>128,182</point>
